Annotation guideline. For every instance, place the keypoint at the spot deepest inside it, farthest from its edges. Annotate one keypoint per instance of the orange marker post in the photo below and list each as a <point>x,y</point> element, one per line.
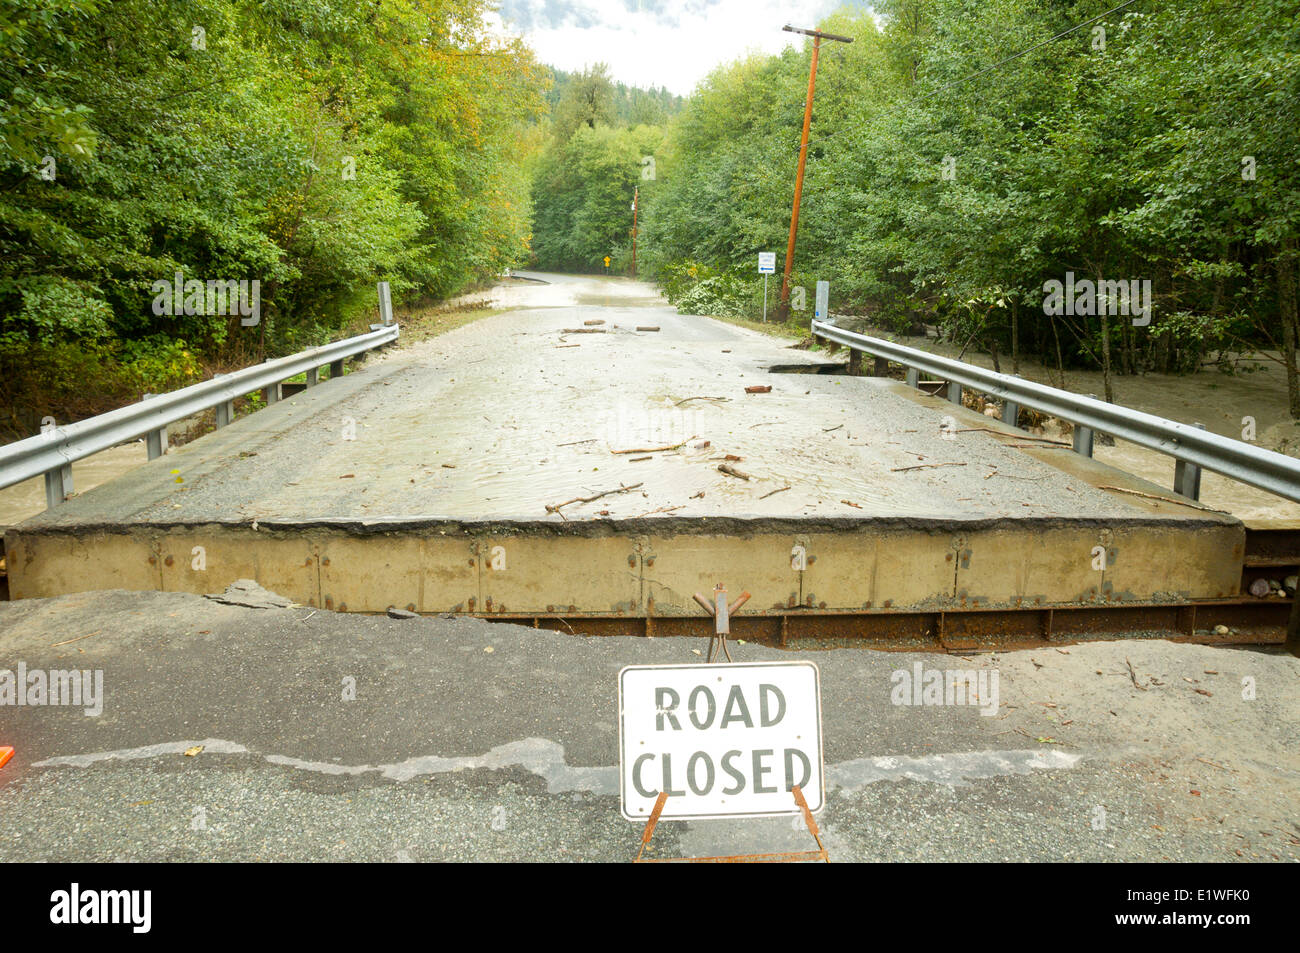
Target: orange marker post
<point>5,755</point>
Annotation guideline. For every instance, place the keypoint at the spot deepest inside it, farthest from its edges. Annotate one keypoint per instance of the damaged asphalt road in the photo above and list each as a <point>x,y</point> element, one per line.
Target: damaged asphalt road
<point>469,740</point>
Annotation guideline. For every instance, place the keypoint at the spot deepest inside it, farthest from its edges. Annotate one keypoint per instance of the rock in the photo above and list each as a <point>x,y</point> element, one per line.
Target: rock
<point>1221,630</point>
<point>1260,588</point>
<point>396,613</point>
<point>991,412</point>
<point>1290,583</point>
<point>247,592</point>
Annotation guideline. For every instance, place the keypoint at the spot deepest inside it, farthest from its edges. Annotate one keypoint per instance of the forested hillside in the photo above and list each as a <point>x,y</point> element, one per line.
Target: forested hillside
<point>948,179</point>
<point>315,146</point>
<point>628,105</point>
<point>600,147</point>
<point>964,156</point>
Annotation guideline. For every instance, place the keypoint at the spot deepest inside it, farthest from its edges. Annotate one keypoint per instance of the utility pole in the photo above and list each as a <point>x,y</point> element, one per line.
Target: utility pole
<point>636,195</point>
<point>783,309</point>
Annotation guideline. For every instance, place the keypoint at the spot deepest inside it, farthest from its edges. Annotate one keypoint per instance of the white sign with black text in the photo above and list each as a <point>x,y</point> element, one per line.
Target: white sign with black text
<point>767,263</point>
<point>722,740</point>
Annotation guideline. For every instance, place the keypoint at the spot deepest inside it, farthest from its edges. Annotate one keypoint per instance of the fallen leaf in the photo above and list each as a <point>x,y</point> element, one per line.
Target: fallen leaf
<point>191,752</point>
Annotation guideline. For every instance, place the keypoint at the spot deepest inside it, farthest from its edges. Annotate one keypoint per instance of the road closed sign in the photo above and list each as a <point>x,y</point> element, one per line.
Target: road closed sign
<point>722,740</point>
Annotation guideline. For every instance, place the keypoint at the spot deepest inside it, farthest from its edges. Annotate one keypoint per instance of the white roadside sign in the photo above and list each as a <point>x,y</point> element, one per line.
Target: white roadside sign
<point>767,263</point>
<point>722,740</point>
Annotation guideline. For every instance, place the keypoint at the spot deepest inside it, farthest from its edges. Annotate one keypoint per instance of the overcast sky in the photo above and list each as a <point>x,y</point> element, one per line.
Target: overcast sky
<point>652,43</point>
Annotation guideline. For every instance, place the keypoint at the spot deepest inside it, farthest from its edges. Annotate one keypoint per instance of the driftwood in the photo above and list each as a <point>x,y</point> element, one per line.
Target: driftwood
<point>680,402</point>
<point>555,508</point>
<point>583,331</point>
<point>925,466</point>
<point>657,449</point>
<point>732,471</point>
<point>1162,499</point>
<point>1018,436</point>
<point>759,389</point>
<point>774,492</point>
<point>647,327</point>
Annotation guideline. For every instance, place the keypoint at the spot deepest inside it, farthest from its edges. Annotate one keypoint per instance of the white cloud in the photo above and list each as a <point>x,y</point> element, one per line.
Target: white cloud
<point>676,44</point>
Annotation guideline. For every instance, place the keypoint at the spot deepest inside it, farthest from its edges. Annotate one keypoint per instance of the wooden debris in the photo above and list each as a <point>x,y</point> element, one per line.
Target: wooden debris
<point>647,327</point>
<point>731,457</point>
<point>639,459</point>
<point>732,471</point>
<point>680,402</point>
<point>851,503</point>
<point>663,509</point>
<point>759,389</point>
<point>594,322</point>
<point>657,449</point>
<point>556,507</point>
<point>924,466</point>
<point>583,331</point>
<point>774,492</point>
<point>1163,499</point>
<point>1133,675</point>
<point>1003,433</point>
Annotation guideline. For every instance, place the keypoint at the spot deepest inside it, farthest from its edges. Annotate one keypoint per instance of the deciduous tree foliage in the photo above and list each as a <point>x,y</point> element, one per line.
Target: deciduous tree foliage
<point>316,146</point>
<point>947,183</point>
<point>586,177</point>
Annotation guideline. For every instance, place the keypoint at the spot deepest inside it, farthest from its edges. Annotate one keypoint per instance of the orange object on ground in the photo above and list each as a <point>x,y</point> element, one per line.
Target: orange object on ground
<point>5,755</point>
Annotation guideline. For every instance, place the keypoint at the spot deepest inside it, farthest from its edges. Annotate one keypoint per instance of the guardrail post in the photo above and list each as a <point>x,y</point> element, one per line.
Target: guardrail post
<point>1293,627</point>
<point>954,393</point>
<point>336,368</point>
<point>881,367</point>
<point>226,409</point>
<point>1187,476</point>
<point>1083,440</point>
<point>313,377</point>
<point>1010,413</point>
<point>58,485</point>
<point>855,363</point>
<point>273,394</point>
<point>913,378</point>
<point>155,441</point>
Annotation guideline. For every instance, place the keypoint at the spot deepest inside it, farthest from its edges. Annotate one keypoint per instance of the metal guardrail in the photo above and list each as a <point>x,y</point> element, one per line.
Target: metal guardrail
<point>53,452</point>
<point>1192,446</point>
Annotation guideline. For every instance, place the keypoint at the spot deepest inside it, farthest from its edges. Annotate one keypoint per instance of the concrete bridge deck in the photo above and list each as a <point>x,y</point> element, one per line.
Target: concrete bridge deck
<point>432,478</point>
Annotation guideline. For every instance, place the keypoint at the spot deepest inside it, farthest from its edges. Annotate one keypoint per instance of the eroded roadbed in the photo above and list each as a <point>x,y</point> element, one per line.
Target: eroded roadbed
<point>469,740</point>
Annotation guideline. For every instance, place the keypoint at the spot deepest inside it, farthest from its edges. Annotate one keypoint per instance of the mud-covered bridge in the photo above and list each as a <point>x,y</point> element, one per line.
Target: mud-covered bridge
<point>590,461</point>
